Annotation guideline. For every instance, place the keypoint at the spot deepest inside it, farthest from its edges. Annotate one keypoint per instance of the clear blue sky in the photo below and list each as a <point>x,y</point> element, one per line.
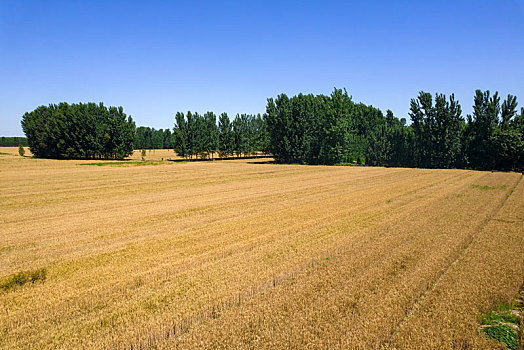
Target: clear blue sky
<point>158,57</point>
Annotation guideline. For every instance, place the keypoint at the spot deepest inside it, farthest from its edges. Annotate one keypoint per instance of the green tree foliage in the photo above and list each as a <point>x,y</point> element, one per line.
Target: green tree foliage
<point>209,135</point>
<point>180,135</point>
<point>149,138</point>
<point>242,134</point>
<point>260,134</point>
<point>400,142</point>
<point>13,141</point>
<point>226,139</point>
<point>21,150</point>
<point>295,128</point>
<point>325,130</point>
<point>479,145</point>
<point>369,135</point>
<point>195,135</point>
<point>333,129</point>
<point>494,137</point>
<point>79,131</point>
<point>437,130</point>
<point>305,129</point>
<point>192,134</point>
<point>198,135</point>
<point>339,139</point>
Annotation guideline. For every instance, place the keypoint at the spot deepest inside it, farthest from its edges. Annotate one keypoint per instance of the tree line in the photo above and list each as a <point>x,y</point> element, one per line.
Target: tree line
<point>333,129</point>
<point>15,141</point>
<point>79,131</point>
<point>306,129</point>
<point>197,135</point>
<point>149,138</point>
<point>323,129</point>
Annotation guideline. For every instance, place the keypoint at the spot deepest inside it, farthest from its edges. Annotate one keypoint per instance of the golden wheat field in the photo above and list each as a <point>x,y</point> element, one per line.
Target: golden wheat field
<point>248,254</point>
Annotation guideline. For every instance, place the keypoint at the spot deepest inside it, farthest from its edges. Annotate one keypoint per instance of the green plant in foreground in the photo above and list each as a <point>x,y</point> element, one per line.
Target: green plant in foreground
<point>498,325</point>
<point>487,188</point>
<point>21,278</point>
<point>494,317</point>
<point>21,150</point>
<point>503,333</point>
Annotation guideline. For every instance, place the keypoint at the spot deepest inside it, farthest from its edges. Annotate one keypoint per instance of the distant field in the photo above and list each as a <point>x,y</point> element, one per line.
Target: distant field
<point>152,155</point>
<point>155,154</point>
<point>248,254</point>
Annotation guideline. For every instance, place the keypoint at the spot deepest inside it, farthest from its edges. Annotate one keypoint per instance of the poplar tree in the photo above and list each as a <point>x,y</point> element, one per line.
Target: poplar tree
<point>180,135</point>
<point>437,130</point>
<point>481,126</point>
<point>210,134</point>
<point>225,137</point>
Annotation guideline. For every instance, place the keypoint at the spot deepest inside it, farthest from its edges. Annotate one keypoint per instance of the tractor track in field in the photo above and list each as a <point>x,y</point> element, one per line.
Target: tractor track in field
<point>456,258</point>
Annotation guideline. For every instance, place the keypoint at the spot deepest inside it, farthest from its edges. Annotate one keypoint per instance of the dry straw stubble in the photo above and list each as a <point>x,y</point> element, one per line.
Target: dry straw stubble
<point>237,254</point>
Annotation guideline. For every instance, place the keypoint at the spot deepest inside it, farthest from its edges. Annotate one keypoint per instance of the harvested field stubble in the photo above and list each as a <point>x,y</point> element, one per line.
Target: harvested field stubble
<point>245,254</point>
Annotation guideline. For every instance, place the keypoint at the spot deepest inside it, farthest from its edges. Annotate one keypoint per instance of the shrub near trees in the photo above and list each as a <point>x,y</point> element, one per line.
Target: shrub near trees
<point>79,131</point>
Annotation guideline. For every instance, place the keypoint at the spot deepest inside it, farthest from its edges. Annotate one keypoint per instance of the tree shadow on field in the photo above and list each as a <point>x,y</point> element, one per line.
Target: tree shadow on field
<point>264,162</point>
